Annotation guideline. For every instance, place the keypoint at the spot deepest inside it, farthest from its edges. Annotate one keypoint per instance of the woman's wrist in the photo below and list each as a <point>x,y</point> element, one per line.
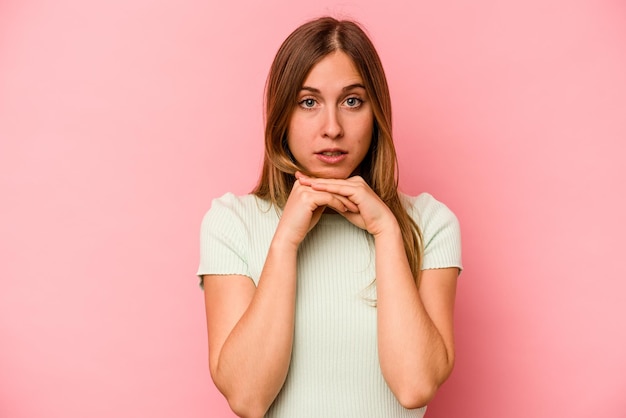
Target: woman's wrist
<point>283,245</point>
<point>389,229</point>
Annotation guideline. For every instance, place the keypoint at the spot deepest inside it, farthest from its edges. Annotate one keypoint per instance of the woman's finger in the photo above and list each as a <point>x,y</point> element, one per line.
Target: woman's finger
<point>344,202</point>
<point>356,192</point>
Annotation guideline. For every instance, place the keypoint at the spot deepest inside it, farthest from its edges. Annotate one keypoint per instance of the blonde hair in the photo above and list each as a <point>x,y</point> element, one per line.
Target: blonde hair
<point>305,47</point>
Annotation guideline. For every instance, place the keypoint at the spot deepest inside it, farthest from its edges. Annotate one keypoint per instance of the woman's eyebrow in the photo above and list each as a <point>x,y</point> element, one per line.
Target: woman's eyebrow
<point>353,86</point>
<point>311,89</point>
<point>346,88</point>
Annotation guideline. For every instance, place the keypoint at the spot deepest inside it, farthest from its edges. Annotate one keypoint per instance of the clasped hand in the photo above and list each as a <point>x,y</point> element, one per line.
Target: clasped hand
<point>352,198</point>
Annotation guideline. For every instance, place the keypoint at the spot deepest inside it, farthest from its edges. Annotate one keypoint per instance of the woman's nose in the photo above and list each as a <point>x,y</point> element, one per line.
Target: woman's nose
<point>332,125</point>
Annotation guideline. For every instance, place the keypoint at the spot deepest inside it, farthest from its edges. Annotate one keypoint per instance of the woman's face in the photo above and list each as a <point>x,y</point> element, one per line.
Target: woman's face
<point>330,130</point>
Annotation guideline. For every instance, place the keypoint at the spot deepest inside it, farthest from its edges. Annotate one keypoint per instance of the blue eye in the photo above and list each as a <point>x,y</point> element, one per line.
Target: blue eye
<point>308,103</point>
<point>353,102</point>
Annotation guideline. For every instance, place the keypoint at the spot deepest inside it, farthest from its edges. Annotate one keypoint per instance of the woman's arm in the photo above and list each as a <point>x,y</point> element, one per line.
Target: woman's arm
<point>415,327</point>
<point>250,331</point>
<point>251,328</point>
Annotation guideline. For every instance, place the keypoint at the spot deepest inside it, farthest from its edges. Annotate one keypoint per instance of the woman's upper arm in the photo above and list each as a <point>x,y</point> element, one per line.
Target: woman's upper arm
<point>438,292</point>
<point>226,299</point>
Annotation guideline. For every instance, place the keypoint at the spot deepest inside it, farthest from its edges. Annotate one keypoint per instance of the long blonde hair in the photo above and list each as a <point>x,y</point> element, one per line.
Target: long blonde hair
<point>304,48</point>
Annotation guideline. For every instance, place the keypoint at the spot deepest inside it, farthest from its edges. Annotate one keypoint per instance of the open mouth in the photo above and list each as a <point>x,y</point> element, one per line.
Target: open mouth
<point>332,156</point>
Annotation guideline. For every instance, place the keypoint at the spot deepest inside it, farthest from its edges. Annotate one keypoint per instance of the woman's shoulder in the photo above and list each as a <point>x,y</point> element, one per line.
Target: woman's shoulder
<point>441,232</point>
<point>429,213</point>
<point>230,199</point>
<point>423,204</point>
<point>239,205</point>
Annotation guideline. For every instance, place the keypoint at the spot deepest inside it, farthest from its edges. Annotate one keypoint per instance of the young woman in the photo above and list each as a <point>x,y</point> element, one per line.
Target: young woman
<point>328,293</point>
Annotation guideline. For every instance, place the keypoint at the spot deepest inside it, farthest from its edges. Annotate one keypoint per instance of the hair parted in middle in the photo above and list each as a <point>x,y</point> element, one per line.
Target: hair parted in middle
<point>302,49</point>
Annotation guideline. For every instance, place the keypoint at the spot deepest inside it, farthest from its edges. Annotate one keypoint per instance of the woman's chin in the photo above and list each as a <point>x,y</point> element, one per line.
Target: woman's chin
<point>338,174</point>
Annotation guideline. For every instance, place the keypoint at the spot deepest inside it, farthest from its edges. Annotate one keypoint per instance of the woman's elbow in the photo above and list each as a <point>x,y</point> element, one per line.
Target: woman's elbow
<point>244,405</point>
<point>413,398</point>
<point>419,394</point>
<point>246,408</point>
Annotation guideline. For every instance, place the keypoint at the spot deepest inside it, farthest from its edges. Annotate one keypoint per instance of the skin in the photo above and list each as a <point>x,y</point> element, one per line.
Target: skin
<point>334,115</point>
<point>415,326</point>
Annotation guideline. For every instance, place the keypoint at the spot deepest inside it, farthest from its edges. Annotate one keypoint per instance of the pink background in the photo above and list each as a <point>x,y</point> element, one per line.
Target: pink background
<point>121,120</point>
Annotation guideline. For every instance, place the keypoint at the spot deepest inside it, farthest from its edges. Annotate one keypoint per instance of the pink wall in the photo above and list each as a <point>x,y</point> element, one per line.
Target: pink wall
<point>121,120</point>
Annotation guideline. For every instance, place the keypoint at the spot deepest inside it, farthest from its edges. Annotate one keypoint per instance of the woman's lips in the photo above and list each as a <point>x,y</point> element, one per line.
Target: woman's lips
<point>331,156</point>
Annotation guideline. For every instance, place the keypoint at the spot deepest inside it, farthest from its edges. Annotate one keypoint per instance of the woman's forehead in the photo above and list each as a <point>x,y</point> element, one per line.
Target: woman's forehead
<point>336,70</point>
